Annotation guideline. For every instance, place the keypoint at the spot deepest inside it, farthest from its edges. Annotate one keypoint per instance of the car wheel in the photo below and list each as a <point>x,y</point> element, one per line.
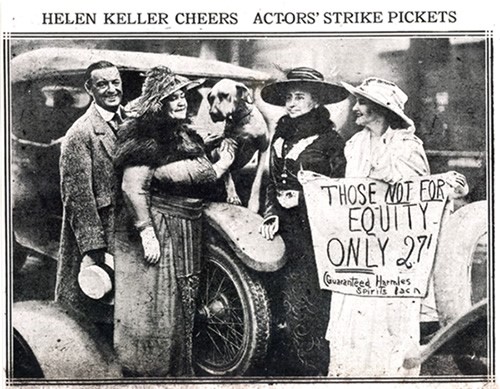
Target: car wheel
<point>233,321</point>
<point>461,279</point>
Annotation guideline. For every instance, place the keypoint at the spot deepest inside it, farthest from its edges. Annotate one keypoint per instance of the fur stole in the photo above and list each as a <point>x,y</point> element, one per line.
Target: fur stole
<point>315,122</point>
<point>152,142</point>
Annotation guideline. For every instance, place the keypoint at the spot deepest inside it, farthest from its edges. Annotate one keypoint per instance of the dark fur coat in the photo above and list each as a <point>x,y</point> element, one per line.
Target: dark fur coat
<point>153,142</point>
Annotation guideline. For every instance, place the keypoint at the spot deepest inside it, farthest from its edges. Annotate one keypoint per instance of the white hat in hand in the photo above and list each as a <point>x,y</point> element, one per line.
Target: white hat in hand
<point>96,281</point>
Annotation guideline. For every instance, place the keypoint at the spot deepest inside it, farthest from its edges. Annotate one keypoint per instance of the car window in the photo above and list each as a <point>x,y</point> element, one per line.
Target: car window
<point>45,109</point>
<point>61,96</point>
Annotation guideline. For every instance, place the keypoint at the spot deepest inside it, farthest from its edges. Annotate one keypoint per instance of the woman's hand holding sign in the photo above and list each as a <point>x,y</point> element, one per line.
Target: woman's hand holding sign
<point>269,227</point>
<point>458,182</point>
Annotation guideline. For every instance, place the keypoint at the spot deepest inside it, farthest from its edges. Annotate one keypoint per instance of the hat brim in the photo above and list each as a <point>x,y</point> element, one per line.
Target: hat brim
<point>187,85</point>
<point>358,92</point>
<point>327,92</point>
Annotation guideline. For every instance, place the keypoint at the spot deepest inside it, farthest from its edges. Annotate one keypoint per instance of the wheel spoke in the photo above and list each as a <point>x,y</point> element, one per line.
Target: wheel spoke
<point>236,317</point>
<point>225,322</point>
<point>220,280</point>
<point>218,293</point>
<point>234,309</point>
<point>214,343</point>
<point>227,342</point>
<point>220,334</point>
<point>236,335</point>
<point>209,282</point>
<point>233,329</point>
<point>229,326</point>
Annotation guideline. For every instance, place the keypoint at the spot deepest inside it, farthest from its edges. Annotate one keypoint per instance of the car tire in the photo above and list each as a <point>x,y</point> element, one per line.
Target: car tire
<point>233,322</point>
<point>459,238</point>
<point>458,287</point>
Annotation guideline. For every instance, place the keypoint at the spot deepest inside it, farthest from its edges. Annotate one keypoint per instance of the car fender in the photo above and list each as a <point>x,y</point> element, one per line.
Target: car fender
<point>239,227</point>
<point>65,346</point>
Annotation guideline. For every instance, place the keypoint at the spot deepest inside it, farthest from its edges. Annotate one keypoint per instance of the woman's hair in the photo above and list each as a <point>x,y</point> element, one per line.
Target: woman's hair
<point>393,119</point>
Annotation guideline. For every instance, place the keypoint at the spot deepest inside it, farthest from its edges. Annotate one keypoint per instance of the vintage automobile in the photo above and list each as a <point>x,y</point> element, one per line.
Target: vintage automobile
<point>50,82</point>
<point>47,97</point>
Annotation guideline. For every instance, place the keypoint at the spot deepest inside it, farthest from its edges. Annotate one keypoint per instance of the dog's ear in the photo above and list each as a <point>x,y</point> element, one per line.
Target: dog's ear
<point>211,97</point>
<point>244,93</point>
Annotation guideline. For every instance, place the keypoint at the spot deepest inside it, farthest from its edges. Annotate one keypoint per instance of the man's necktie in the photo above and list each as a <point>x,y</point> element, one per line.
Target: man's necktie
<point>115,122</point>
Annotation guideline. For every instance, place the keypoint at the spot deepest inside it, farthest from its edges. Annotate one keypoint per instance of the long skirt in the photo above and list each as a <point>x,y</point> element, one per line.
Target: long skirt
<point>300,308</point>
<point>155,304</point>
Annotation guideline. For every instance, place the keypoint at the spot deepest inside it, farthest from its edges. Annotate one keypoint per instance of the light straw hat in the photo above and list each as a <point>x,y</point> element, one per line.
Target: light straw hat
<point>384,93</point>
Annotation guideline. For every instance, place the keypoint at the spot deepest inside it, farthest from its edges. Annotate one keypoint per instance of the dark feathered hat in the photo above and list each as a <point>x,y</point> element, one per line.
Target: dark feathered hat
<point>160,83</point>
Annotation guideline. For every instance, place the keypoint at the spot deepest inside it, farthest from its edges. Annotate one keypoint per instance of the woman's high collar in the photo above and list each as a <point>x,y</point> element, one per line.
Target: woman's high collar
<point>314,122</point>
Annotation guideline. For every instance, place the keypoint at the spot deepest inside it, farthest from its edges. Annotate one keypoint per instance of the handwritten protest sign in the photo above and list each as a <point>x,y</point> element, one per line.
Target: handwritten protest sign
<point>374,239</point>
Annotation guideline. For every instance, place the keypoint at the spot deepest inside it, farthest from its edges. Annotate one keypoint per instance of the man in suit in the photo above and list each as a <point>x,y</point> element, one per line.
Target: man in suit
<point>88,186</point>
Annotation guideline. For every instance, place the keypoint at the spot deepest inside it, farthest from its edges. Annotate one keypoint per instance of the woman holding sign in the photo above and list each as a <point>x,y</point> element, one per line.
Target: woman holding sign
<point>372,336</point>
<point>305,138</point>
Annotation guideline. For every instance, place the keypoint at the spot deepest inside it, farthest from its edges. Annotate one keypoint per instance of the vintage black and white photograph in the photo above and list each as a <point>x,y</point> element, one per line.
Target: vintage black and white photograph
<point>267,208</point>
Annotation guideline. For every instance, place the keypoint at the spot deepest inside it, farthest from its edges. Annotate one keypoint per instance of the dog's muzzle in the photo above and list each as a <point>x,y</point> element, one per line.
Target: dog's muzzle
<point>217,117</point>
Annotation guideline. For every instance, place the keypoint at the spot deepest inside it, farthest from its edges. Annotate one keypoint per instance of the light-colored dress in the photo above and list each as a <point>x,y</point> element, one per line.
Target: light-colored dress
<point>370,337</point>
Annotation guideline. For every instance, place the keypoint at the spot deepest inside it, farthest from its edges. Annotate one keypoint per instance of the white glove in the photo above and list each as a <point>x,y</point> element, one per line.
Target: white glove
<point>227,152</point>
<point>269,227</point>
<point>150,245</point>
<point>458,182</point>
<point>212,139</point>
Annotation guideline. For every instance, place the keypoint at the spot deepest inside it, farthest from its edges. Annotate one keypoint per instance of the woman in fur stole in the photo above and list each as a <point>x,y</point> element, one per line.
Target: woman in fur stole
<point>155,297</point>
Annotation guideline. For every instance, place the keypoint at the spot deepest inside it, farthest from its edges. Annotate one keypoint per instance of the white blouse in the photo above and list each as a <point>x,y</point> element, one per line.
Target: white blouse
<point>399,155</point>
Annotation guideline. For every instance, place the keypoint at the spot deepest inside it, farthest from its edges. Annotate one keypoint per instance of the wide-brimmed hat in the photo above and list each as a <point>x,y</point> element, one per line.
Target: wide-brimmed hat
<point>384,93</point>
<point>160,83</point>
<point>326,92</point>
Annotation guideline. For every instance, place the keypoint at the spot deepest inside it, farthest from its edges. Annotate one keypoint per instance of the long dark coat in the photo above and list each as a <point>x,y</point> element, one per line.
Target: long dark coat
<point>308,142</point>
<point>88,189</point>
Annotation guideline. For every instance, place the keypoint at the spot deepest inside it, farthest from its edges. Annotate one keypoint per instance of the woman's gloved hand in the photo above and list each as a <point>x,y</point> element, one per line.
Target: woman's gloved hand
<point>269,227</point>
<point>458,182</point>
<point>213,140</point>
<point>151,245</point>
<point>227,152</point>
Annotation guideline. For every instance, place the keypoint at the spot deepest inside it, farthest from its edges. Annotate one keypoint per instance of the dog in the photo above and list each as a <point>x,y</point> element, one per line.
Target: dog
<point>231,101</point>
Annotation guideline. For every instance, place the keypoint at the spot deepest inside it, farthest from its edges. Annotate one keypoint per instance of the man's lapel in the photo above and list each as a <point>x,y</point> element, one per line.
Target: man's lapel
<point>104,132</point>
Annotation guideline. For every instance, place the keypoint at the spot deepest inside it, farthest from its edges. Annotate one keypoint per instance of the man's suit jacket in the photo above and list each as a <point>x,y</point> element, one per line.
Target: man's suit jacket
<point>88,190</point>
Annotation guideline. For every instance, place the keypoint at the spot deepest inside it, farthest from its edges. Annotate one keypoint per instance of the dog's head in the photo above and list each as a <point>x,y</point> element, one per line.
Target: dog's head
<point>225,97</point>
